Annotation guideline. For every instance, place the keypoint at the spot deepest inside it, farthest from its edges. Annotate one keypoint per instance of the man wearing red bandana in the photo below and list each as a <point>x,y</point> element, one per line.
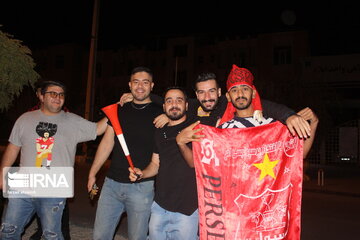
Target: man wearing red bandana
<point>243,100</point>
<point>240,77</point>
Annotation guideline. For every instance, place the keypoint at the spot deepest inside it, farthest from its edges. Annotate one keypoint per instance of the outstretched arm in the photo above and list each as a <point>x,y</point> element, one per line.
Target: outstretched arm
<point>277,111</point>
<point>295,123</point>
<point>101,126</point>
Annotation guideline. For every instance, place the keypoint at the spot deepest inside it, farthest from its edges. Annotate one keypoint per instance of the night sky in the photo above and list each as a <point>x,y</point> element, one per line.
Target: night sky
<point>333,25</point>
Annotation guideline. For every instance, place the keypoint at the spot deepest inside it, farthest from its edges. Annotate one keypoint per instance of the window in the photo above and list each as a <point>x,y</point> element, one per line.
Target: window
<point>282,55</point>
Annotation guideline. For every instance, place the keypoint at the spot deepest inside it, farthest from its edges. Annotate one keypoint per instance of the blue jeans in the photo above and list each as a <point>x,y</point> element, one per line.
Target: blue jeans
<point>166,225</point>
<point>133,198</point>
<point>19,212</point>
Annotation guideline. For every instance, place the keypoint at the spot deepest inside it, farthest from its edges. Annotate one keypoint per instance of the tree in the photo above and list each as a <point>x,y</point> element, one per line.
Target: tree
<point>16,69</point>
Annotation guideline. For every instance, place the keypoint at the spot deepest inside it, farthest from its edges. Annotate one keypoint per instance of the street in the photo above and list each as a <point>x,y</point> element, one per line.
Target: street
<point>324,216</point>
<point>329,216</point>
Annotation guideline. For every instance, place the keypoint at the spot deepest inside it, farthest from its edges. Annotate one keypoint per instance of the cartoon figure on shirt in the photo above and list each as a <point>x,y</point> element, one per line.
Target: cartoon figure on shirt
<point>45,143</point>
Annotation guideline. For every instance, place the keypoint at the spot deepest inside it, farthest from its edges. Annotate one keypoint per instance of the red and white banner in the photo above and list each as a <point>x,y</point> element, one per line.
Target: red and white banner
<point>249,183</point>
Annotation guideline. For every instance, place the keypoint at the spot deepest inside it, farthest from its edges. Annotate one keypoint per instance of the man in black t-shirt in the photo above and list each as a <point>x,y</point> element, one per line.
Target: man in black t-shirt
<point>174,213</point>
<point>118,194</point>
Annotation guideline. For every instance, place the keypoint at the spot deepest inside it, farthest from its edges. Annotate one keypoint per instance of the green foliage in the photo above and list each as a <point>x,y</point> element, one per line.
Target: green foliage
<point>16,69</point>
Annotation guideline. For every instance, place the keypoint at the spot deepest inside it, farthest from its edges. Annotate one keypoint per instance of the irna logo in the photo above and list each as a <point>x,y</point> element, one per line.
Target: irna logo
<point>38,182</point>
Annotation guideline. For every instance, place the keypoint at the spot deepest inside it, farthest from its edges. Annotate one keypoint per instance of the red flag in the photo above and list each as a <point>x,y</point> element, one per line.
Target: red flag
<point>249,183</point>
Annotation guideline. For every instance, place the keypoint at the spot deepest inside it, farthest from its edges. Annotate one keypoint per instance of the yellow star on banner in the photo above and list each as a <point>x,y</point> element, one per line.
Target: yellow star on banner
<point>266,167</point>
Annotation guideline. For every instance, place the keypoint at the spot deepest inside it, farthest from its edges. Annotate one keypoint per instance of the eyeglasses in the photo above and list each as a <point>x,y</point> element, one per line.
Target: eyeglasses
<point>55,94</point>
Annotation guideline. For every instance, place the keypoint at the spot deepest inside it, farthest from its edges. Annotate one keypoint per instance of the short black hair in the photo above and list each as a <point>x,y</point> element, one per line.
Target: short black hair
<point>44,127</point>
<point>46,84</point>
<point>176,88</point>
<point>142,69</point>
<point>205,76</point>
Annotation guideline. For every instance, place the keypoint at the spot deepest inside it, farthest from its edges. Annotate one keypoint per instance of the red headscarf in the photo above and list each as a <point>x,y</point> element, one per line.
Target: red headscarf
<point>239,76</point>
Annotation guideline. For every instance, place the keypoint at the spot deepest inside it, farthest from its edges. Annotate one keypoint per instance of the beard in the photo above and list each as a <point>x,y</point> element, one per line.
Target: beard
<point>240,106</point>
<point>175,115</point>
<point>208,109</point>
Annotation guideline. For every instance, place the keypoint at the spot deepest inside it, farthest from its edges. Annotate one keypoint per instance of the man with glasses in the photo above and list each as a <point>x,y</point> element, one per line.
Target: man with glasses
<point>65,228</point>
<point>68,130</point>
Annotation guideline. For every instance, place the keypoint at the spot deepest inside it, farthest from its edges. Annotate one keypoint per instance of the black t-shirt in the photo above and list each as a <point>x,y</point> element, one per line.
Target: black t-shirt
<point>175,188</point>
<point>136,121</point>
